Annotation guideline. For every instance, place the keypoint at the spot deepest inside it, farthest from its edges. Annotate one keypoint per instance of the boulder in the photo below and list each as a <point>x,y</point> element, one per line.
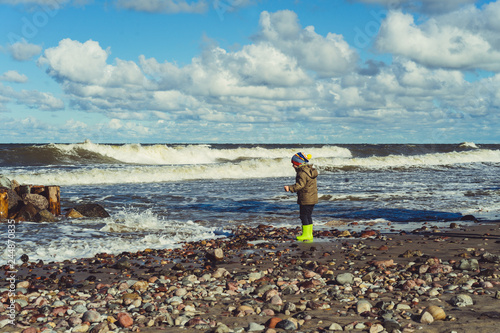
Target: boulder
<point>39,201</point>
<point>45,216</point>
<point>14,199</point>
<point>27,212</point>
<point>92,210</point>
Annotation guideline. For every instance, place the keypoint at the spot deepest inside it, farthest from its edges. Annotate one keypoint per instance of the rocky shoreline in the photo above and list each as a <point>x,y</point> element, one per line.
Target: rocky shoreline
<point>262,280</point>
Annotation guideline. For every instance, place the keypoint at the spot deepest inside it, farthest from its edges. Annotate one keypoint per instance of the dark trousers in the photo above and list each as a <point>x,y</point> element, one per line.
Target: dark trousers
<point>306,214</point>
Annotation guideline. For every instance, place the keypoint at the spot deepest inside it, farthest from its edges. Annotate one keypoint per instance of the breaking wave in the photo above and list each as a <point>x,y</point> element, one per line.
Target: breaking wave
<point>265,163</point>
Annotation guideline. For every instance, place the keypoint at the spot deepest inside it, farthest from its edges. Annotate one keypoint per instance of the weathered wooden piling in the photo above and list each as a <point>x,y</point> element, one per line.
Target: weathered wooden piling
<point>54,197</point>
<point>4,203</point>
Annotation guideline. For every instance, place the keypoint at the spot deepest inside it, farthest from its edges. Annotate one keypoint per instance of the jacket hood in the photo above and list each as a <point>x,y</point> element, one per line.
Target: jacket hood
<point>309,169</point>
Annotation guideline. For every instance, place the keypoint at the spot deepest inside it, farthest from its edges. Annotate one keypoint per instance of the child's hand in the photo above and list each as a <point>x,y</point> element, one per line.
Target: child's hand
<point>287,188</point>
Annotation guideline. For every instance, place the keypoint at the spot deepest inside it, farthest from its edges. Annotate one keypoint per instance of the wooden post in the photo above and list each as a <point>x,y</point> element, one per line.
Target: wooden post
<point>37,189</point>
<point>54,197</point>
<point>4,203</point>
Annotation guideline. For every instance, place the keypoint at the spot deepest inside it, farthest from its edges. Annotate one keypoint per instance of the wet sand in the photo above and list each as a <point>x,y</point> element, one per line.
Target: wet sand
<point>360,281</point>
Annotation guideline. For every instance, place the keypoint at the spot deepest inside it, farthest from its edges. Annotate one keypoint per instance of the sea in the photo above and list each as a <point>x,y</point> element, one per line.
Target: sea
<point>162,195</point>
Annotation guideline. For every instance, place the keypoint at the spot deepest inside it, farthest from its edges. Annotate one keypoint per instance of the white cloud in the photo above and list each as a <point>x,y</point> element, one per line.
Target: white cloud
<point>31,98</point>
<point>115,124</point>
<point>460,40</point>
<point>74,61</point>
<point>327,56</point>
<point>164,6</point>
<point>13,76</point>
<point>23,51</point>
<point>39,100</point>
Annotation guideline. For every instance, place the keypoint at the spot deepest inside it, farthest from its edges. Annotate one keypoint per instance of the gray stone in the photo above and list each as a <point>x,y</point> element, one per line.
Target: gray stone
<point>221,328</point>
<point>92,210</point>
<point>391,325</point>
<point>461,300</point>
<point>264,288</point>
<point>254,327</point>
<point>45,216</point>
<point>468,264</point>
<point>123,263</point>
<point>14,199</point>
<point>286,325</point>
<point>100,328</point>
<point>345,278</point>
<point>490,257</point>
<point>335,327</point>
<point>79,308</point>
<point>39,201</point>
<point>91,316</point>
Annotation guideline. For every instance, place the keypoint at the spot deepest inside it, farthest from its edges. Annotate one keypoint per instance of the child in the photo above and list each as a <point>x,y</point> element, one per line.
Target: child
<point>307,191</point>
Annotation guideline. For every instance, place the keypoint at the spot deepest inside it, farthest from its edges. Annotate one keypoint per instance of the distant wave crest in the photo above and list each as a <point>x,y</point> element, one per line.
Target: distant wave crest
<point>241,163</point>
<point>158,154</point>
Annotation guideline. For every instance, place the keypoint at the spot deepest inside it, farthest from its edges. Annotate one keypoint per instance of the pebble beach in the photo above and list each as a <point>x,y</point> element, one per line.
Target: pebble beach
<point>261,280</point>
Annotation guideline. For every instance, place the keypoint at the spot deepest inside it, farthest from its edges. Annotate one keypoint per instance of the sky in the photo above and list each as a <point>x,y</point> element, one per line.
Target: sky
<point>249,71</point>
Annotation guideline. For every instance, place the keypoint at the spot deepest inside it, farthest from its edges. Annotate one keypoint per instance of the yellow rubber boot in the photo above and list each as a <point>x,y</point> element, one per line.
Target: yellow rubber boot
<point>307,234</point>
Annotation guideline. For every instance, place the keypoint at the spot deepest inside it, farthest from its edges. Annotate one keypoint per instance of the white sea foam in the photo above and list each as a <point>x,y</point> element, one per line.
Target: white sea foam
<point>468,145</point>
<point>189,154</point>
<point>259,167</point>
<point>129,230</point>
<point>426,160</point>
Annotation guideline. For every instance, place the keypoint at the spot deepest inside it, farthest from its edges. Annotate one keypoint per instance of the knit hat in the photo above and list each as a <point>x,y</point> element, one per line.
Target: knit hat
<point>300,158</point>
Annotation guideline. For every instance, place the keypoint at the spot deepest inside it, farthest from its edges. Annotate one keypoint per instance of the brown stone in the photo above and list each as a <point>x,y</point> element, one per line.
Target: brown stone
<point>271,323</point>
<point>140,286</point>
<point>73,214</point>
<point>100,328</point>
<point>30,330</point>
<point>384,263</point>
<point>124,320</point>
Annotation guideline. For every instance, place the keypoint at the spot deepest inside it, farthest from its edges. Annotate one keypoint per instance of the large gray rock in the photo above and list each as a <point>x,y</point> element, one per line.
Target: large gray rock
<point>37,200</point>
<point>14,199</point>
<point>92,210</point>
<point>27,212</point>
<point>45,216</point>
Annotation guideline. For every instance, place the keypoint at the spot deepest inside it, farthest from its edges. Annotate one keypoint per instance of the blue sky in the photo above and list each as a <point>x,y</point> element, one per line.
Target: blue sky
<point>249,71</point>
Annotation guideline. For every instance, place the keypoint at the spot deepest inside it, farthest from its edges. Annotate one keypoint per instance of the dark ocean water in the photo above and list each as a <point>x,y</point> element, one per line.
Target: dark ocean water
<point>160,195</point>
